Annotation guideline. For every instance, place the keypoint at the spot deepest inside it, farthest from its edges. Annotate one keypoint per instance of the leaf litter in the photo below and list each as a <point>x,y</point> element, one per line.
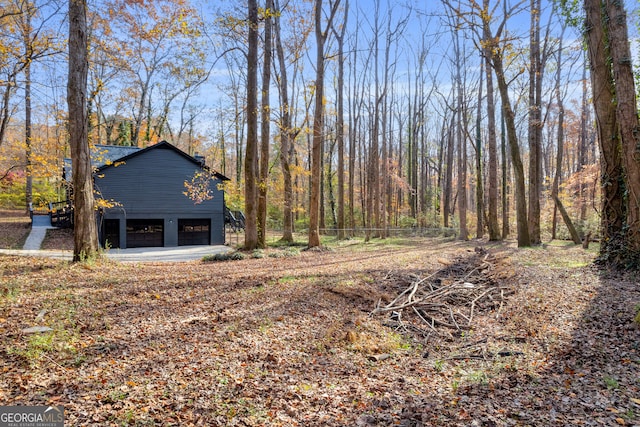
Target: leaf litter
<point>492,335</point>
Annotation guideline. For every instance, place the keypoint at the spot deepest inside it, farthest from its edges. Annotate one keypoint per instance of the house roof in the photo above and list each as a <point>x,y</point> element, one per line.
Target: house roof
<point>106,156</point>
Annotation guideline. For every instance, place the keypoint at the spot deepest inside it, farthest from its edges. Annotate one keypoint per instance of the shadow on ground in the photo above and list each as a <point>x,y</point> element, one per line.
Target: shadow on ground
<point>585,375</point>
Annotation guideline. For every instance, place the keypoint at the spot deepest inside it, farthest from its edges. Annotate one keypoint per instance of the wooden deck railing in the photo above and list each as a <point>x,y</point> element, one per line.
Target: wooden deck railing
<point>61,214</point>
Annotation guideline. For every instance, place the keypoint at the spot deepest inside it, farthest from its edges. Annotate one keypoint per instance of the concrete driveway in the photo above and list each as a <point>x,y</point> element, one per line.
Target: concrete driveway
<point>174,254</point>
<point>41,223</point>
<point>179,253</point>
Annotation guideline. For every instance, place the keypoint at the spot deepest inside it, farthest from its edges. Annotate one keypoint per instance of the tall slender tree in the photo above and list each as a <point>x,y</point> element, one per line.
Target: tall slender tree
<point>265,135</point>
<point>555,189</point>
<point>479,170</point>
<point>492,148</point>
<point>339,34</point>
<point>28,54</point>
<point>285,129</point>
<point>251,152</point>
<point>318,120</point>
<point>85,233</point>
<point>535,123</point>
<point>496,56</point>
<point>460,137</point>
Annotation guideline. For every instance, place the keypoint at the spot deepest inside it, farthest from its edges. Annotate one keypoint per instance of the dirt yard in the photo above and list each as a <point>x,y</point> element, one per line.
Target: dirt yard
<point>14,229</point>
<point>288,338</point>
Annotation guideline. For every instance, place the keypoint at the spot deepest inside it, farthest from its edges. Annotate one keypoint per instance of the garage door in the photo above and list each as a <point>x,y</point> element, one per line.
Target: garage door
<point>111,233</point>
<point>143,233</point>
<point>194,232</point>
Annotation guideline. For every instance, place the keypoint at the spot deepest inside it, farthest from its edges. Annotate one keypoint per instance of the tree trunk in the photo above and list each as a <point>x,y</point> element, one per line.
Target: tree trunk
<point>495,54</point>
<point>612,213</point>
<point>27,111</point>
<point>584,138</point>
<point>316,149</point>
<point>559,159</point>
<point>353,126</point>
<point>535,124</point>
<point>461,142</point>
<point>265,129</point>
<point>85,237</point>
<point>286,136</point>
<point>567,220</point>
<point>479,173</point>
<point>494,230</point>
<point>340,122</point>
<point>516,160</point>
<point>628,126</point>
<point>238,130</point>
<point>330,190</point>
<point>321,219</point>
<point>505,181</point>
<point>448,179</point>
<point>251,154</point>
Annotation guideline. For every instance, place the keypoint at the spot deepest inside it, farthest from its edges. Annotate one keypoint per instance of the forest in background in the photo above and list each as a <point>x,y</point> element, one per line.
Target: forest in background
<point>461,115</point>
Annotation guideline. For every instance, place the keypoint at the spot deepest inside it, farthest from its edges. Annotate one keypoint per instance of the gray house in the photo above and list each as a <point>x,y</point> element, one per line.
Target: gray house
<point>146,187</point>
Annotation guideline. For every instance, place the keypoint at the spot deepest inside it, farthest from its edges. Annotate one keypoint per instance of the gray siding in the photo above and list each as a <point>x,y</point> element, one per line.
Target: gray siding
<point>151,186</point>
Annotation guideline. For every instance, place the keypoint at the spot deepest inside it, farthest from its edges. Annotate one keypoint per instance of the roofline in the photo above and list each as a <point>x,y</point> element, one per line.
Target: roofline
<point>158,145</point>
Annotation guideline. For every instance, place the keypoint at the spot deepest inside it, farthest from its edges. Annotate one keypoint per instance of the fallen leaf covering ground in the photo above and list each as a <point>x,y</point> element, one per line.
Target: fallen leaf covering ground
<point>14,228</point>
<point>290,340</point>
<point>58,239</point>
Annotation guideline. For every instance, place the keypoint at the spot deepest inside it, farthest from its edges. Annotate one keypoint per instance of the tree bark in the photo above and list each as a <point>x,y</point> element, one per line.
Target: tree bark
<point>584,139</point>
<point>340,123</point>
<point>448,177</point>
<point>27,109</point>
<point>508,115</point>
<point>461,143</point>
<point>516,160</point>
<point>265,128</point>
<point>479,173</point>
<point>494,230</point>
<point>535,124</point>
<point>251,154</point>
<point>506,229</point>
<point>567,220</point>
<point>612,212</point>
<point>559,158</point>
<point>85,237</point>
<point>286,136</point>
<point>354,121</point>
<point>316,149</point>
<point>628,126</point>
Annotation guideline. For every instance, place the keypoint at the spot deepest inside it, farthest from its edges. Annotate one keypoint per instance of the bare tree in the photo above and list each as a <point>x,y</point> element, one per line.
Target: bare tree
<point>538,56</point>
<point>460,136</point>
<point>497,62</point>
<point>339,34</point>
<point>560,147</point>
<point>479,170</point>
<point>492,215</point>
<point>318,116</point>
<point>286,136</point>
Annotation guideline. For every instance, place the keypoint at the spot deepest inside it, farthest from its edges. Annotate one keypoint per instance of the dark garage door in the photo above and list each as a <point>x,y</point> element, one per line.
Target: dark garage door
<point>194,232</point>
<point>111,233</point>
<point>143,233</point>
